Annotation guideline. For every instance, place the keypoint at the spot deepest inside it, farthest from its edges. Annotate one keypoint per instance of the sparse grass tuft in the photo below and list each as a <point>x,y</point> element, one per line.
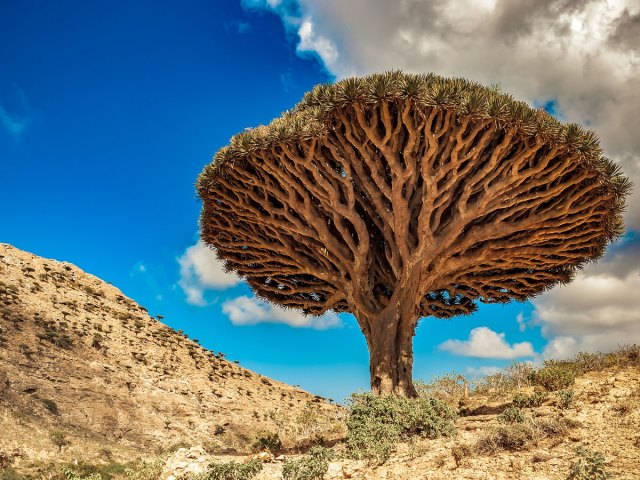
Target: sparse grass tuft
<point>520,435</point>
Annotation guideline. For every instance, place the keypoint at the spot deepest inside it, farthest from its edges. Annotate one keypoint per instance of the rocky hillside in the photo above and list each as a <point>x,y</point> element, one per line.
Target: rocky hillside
<point>504,433</point>
<point>80,363</point>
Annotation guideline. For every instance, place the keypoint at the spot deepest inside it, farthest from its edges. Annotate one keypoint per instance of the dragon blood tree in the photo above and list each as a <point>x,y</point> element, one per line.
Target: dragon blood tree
<point>397,196</point>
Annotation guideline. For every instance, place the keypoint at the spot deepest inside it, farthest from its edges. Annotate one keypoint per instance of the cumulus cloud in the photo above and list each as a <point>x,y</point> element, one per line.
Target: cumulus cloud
<point>599,310</point>
<point>200,270</point>
<point>252,311</point>
<point>485,343</point>
<point>476,372</point>
<point>583,54</point>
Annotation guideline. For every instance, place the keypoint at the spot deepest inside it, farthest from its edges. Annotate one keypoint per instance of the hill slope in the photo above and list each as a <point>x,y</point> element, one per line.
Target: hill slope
<point>79,357</point>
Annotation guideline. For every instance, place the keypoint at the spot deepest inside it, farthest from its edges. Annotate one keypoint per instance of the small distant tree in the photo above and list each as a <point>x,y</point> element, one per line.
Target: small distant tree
<point>59,439</point>
<point>396,197</point>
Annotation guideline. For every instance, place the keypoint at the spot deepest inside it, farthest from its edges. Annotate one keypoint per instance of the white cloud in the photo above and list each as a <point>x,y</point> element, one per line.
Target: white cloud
<point>599,310</point>
<point>584,54</point>
<point>476,372</point>
<point>251,311</point>
<point>200,270</point>
<point>485,343</point>
<point>522,324</point>
<point>310,41</point>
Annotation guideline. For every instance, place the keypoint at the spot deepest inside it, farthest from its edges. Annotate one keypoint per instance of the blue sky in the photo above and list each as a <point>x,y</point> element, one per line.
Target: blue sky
<point>109,112</point>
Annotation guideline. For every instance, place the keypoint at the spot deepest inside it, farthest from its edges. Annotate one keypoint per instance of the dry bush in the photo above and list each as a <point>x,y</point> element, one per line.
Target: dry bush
<point>522,435</point>
<point>502,384</point>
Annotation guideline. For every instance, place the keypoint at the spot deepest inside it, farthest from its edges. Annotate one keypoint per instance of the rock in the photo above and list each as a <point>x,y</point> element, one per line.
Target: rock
<point>185,461</point>
<point>280,458</point>
<point>264,457</point>
<point>348,471</point>
<point>334,470</point>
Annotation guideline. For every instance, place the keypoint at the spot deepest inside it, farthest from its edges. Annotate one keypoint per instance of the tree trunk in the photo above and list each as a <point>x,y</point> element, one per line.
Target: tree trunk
<point>390,344</point>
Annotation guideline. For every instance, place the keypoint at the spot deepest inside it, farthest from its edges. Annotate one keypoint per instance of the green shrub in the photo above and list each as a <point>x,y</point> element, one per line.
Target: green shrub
<point>145,470</point>
<point>9,473</point>
<point>589,466</point>
<point>71,475</point>
<point>50,405</point>
<point>536,399</point>
<point>512,414</point>
<point>553,377</point>
<point>309,467</point>
<point>83,470</point>
<point>566,398</point>
<point>232,471</point>
<point>267,441</point>
<point>375,425</point>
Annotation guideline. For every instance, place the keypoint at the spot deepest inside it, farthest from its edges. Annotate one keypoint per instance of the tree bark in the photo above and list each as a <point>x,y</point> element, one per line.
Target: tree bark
<point>390,342</point>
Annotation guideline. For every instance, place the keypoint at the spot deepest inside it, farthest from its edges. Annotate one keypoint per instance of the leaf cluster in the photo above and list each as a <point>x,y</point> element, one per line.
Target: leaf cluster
<point>311,118</point>
<point>312,466</point>
<point>376,424</point>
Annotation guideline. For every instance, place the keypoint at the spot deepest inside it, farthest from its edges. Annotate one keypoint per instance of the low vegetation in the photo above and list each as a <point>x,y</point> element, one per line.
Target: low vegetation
<point>517,432</point>
<point>588,466</point>
<point>376,424</point>
<point>267,441</point>
<point>231,471</point>
<point>312,466</point>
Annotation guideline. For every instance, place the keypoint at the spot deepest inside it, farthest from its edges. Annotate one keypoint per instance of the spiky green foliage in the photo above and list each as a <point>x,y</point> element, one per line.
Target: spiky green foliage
<point>311,118</point>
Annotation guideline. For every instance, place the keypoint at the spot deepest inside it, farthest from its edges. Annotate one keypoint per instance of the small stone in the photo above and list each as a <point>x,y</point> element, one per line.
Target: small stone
<point>280,458</point>
<point>264,457</point>
<point>348,471</point>
<point>334,470</point>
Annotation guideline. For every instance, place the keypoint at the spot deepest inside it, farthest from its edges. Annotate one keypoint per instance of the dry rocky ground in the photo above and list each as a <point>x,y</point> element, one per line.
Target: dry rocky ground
<point>604,417</point>
<point>78,357</point>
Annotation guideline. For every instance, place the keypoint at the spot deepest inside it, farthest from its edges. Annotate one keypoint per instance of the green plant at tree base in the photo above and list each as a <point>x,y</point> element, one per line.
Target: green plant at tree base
<point>376,424</point>
<point>589,466</point>
<point>312,466</point>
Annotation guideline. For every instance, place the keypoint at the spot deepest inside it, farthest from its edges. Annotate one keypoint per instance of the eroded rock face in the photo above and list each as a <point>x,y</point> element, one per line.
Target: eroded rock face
<point>77,355</point>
